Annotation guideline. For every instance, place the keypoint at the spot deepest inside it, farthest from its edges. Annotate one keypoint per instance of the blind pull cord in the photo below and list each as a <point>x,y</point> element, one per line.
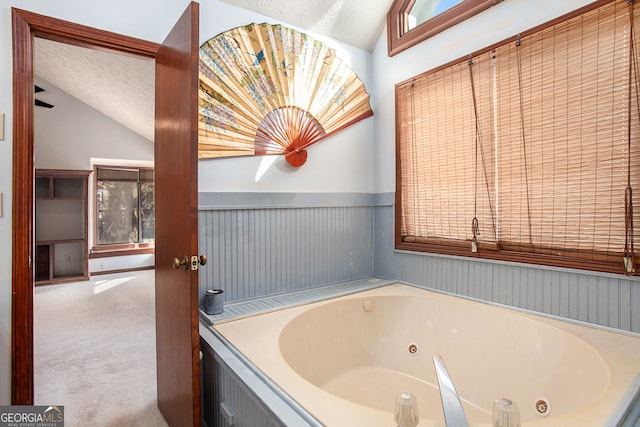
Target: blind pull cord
<point>522,135</point>
<point>416,221</point>
<point>475,229</point>
<point>629,250</point>
<point>629,261</point>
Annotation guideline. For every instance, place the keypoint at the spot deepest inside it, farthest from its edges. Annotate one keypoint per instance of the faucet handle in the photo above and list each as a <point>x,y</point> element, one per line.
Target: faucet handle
<point>406,412</point>
<point>505,414</point>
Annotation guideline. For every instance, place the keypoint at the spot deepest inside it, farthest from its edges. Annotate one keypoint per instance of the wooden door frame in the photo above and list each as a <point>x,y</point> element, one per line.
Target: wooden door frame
<point>26,26</point>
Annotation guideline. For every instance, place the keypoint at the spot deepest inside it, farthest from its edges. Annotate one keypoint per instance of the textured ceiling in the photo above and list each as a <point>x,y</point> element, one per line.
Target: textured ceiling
<point>119,86</point>
<point>122,87</point>
<point>355,22</point>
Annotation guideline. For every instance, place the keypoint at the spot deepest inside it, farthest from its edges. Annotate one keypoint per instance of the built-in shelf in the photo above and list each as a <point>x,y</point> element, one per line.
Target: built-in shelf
<point>61,250</point>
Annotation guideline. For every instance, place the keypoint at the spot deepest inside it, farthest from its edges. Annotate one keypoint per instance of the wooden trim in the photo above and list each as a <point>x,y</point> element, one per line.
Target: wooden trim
<point>398,195</point>
<point>49,242</point>
<point>519,257</point>
<point>63,173</point>
<point>122,270</point>
<point>25,26</point>
<point>400,38</point>
<point>84,36</point>
<point>22,230</point>
<point>59,281</point>
<point>106,253</point>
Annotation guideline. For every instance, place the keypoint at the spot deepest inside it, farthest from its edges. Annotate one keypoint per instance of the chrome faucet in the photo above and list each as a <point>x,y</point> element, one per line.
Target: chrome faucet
<point>453,412</point>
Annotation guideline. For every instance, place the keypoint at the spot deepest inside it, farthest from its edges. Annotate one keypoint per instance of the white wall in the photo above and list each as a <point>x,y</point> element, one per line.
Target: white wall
<point>5,215</point>
<point>69,135</point>
<point>495,24</point>
<point>115,263</point>
<point>342,163</point>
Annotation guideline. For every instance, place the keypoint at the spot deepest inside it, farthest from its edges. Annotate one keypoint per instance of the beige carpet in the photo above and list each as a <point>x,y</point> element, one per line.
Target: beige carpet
<point>95,350</point>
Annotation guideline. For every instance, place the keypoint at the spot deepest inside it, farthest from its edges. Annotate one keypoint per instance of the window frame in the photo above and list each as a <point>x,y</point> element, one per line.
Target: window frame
<point>400,37</point>
<point>118,249</point>
<point>464,251</point>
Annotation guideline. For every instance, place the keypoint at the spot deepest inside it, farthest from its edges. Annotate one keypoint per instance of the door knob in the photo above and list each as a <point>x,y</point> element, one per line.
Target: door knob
<point>178,262</point>
<point>186,262</point>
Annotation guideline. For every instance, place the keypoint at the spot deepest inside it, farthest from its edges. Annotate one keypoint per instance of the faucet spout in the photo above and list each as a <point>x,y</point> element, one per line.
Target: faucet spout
<point>453,412</point>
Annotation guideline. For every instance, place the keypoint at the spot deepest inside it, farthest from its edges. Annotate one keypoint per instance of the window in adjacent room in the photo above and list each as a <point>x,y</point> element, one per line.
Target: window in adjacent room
<point>529,150</point>
<point>125,208</point>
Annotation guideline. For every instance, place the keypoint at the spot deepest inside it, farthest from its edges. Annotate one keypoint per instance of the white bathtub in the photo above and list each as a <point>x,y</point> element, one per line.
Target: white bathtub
<point>344,360</point>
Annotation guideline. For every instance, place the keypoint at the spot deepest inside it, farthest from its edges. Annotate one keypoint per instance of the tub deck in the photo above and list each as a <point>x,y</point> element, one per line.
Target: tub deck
<point>253,348</point>
<point>254,306</point>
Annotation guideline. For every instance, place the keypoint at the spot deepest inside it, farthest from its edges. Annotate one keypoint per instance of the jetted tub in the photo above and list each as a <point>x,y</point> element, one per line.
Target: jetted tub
<point>345,360</point>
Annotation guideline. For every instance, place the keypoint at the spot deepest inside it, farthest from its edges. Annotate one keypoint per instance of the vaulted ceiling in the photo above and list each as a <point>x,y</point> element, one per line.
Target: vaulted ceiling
<point>119,86</point>
<point>355,22</point>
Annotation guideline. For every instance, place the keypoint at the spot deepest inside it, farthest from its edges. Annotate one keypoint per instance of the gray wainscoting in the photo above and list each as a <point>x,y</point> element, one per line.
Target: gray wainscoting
<point>259,244</point>
<point>604,299</point>
<point>220,386</point>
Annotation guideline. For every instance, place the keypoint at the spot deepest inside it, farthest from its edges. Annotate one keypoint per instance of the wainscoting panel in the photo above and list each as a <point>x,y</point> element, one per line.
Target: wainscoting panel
<point>266,247</point>
<point>603,299</point>
<point>226,400</point>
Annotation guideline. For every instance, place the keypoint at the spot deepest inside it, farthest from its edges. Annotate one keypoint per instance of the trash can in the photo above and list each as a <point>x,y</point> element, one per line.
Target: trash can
<point>214,301</point>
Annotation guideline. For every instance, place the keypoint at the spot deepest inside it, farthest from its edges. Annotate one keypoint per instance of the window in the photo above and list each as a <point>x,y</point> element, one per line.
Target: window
<point>527,151</point>
<point>411,21</point>
<point>423,10</point>
<point>125,208</point>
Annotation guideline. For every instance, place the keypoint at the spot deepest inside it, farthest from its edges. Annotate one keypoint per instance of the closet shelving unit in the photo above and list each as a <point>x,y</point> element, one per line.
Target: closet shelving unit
<point>61,226</point>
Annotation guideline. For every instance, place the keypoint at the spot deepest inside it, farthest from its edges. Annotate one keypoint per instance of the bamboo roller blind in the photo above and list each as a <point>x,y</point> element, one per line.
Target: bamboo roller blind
<point>536,139</point>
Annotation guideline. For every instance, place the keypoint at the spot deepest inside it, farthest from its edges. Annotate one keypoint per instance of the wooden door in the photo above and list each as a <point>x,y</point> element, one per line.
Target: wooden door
<point>176,228</point>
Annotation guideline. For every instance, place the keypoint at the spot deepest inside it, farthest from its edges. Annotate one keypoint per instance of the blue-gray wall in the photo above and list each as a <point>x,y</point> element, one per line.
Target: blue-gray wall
<point>259,244</point>
<point>264,243</point>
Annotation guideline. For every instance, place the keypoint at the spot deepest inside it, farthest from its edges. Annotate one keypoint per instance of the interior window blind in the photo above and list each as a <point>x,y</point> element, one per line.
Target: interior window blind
<point>441,186</point>
<point>529,147</point>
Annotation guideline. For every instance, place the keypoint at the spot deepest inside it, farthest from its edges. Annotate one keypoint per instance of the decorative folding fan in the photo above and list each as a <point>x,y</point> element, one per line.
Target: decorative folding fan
<point>267,89</point>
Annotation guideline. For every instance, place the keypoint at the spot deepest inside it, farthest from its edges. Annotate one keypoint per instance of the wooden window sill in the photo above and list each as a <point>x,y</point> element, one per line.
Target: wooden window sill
<point>105,252</point>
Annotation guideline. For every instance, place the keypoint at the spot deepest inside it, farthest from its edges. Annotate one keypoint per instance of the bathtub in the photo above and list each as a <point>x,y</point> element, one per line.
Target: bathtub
<point>345,360</point>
